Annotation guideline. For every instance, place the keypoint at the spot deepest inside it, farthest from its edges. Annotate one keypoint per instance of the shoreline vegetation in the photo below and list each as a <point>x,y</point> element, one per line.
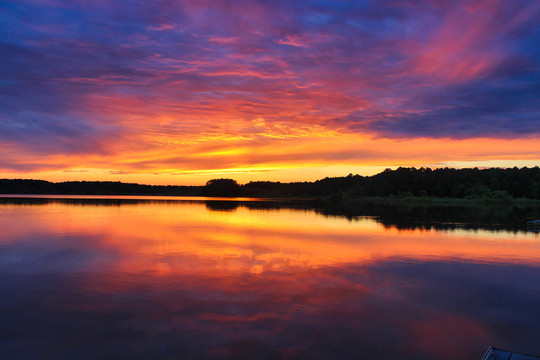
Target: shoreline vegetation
<point>403,186</point>
<point>406,198</point>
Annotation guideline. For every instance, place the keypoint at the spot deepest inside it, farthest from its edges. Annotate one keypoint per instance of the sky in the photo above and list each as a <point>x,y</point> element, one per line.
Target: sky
<point>180,92</point>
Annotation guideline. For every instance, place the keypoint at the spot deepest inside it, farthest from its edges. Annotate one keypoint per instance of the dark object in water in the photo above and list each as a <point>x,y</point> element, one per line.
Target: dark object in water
<point>498,354</point>
<point>534,225</point>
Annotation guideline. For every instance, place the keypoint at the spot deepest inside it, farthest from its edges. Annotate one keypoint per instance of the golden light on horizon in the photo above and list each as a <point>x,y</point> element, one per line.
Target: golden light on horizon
<point>286,160</point>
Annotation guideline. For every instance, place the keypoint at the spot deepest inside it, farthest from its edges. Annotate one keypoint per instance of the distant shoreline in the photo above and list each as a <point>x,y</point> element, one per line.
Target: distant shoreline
<point>389,200</point>
<point>403,185</point>
<point>437,201</point>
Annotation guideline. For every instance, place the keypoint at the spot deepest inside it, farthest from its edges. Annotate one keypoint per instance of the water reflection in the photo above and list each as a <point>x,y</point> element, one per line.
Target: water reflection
<point>182,280</point>
<point>222,205</point>
<point>495,217</point>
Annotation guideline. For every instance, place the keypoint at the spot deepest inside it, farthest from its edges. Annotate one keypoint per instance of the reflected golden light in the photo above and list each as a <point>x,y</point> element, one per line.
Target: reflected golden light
<point>169,237</point>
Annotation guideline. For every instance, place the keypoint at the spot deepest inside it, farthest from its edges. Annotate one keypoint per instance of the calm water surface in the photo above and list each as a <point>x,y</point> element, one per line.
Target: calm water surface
<point>169,279</point>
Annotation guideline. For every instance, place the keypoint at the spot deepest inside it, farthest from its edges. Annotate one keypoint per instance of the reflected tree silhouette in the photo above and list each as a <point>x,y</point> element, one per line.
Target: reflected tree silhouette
<point>222,205</point>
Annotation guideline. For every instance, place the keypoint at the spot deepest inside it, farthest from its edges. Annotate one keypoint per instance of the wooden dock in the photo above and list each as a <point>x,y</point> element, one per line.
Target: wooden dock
<point>499,354</point>
<point>533,225</point>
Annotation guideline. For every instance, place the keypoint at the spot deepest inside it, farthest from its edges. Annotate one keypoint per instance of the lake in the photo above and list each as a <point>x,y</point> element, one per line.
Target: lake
<point>191,278</point>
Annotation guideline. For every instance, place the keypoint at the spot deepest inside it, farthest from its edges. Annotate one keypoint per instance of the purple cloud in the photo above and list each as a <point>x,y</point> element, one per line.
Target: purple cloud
<point>77,75</point>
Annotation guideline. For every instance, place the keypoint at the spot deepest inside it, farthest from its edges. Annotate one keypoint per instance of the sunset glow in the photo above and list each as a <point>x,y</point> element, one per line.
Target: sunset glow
<point>246,240</point>
<point>85,276</point>
<point>179,92</point>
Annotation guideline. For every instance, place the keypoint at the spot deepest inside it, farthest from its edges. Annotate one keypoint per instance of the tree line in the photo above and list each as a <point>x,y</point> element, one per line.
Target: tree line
<point>403,182</point>
<point>23,186</point>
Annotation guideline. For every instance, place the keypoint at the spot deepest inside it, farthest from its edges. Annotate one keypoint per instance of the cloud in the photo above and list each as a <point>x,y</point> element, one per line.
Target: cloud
<point>112,77</point>
<point>484,108</point>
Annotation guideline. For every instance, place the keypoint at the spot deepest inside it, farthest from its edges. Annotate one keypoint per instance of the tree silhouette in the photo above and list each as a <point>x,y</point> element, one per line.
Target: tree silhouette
<point>494,183</point>
<point>221,187</point>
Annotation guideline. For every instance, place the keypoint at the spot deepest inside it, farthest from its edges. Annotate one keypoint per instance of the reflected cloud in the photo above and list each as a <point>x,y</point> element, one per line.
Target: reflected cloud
<point>180,279</point>
<point>388,308</point>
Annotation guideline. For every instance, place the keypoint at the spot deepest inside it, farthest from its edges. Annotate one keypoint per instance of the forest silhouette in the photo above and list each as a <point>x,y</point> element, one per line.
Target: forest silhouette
<point>470,183</point>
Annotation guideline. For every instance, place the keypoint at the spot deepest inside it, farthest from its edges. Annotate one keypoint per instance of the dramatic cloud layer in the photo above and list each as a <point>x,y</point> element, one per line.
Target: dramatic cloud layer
<point>172,86</point>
